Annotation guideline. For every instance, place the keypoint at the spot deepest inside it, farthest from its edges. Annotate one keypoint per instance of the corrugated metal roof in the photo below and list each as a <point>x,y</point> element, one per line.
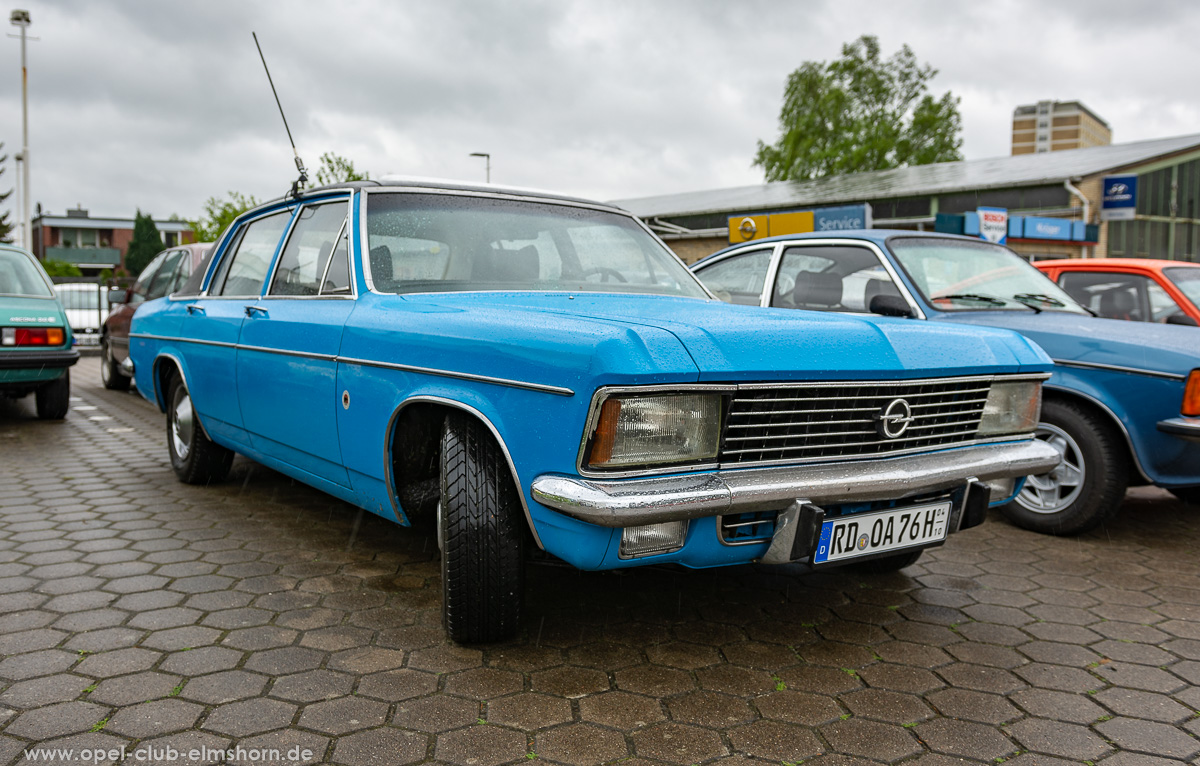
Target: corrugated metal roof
<point>921,180</point>
<point>71,222</point>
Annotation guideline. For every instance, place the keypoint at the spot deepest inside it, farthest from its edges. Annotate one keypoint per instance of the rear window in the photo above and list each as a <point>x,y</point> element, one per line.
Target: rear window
<point>441,243</point>
<point>19,276</point>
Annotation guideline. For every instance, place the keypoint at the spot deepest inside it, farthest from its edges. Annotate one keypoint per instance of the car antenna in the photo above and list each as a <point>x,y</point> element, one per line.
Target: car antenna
<point>298,184</point>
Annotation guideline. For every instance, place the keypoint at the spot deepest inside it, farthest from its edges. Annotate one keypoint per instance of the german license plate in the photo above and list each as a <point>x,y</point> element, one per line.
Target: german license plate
<point>848,537</point>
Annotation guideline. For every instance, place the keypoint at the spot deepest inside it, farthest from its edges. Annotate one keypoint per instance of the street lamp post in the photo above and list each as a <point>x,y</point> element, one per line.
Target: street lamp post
<point>21,19</point>
<point>488,158</point>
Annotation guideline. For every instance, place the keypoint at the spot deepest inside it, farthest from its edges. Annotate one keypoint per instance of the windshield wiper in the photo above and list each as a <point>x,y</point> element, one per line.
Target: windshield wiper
<point>1040,297</point>
<point>989,299</point>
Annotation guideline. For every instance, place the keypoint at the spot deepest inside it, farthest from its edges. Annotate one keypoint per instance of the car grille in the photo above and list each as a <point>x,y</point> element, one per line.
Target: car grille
<point>832,421</point>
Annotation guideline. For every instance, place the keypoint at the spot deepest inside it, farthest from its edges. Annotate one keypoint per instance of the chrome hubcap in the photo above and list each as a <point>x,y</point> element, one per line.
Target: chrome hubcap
<point>1053,492</point>
<point>182,423</point>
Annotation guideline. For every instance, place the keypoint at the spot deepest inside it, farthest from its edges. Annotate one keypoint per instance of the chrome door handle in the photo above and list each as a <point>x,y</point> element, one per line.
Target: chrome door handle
<point>252,311</point>
<point>194,309</point>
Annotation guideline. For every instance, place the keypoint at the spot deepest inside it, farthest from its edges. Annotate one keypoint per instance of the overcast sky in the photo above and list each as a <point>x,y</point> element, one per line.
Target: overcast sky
<point>160,105</point>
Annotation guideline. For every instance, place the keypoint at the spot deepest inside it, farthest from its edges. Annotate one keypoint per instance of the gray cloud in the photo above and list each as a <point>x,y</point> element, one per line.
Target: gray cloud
<point>161,105</point>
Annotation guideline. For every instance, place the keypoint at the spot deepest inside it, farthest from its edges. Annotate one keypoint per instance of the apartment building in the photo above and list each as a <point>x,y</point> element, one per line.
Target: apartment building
<point>1051,126</point>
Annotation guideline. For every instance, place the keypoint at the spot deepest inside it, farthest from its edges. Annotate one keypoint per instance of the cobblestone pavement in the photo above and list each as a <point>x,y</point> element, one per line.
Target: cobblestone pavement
<point>138,611</point>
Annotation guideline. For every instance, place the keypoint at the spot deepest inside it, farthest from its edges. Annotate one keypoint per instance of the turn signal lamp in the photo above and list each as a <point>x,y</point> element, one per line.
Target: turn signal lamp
<point>1191,395</point>
<point>31,336</point>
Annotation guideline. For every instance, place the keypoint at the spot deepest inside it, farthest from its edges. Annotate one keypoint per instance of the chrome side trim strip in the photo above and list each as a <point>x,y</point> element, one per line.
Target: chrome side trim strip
<point>634,502</point>
<point>1183,427</point>
<point>556,390</point>
<point>1118,368</point>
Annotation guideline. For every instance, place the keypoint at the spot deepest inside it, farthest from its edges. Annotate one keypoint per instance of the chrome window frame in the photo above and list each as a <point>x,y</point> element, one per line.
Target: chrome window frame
<point>364,213</point>
<point>215,266</point>
<point>348,200</point>
<point>770,248</point>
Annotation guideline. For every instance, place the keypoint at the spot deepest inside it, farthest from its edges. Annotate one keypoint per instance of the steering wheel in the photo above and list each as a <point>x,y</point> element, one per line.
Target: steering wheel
<point>605,272</point>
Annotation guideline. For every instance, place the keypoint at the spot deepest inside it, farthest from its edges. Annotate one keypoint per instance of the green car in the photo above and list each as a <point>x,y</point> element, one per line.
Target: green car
<point>35,338</point>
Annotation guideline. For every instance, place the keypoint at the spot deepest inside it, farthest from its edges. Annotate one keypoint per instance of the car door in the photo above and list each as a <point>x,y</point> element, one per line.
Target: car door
<point>213,322</point>
<point>287,353</point>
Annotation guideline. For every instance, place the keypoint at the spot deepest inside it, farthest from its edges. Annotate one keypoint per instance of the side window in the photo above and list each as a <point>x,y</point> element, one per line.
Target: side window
<point>244,269</point>
<point>337,277</point>
<point>182,272</point>
<point>740,278</point>
<point>161,284</point>
<point>142,286</point>
<point>1114,296</point>
<point>830,278</point>
<point>309,249</point>
<point>1162,305</point>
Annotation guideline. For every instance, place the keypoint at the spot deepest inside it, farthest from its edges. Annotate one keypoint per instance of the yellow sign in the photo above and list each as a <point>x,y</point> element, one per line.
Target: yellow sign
<point>751,227</point>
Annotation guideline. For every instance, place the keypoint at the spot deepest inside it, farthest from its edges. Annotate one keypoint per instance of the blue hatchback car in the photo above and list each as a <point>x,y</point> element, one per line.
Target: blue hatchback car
<point>1123,405</point>
<point>537,370</point>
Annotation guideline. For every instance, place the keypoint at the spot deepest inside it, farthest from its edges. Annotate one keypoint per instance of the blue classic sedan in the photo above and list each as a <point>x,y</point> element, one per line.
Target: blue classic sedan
<point>1123,405</point>
<point>540,371</point>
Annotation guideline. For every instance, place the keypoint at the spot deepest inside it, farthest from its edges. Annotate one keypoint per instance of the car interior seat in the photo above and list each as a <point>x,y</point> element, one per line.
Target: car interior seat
<point>381,268</point>
<point>876,287</point>
<point>820,290</point>
<point>1117,304</point>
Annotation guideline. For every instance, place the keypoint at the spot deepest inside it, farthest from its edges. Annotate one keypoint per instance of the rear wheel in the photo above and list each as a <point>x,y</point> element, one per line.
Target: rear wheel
<point>1087,487</point>
<point>480,530</point>
<point>195,458</point>
<point>54,398</point>
<point>110,368</point>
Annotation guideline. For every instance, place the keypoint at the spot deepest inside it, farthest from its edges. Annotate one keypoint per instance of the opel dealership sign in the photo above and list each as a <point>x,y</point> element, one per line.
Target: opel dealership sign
<point>1120,198</point>
<point>993,224</point>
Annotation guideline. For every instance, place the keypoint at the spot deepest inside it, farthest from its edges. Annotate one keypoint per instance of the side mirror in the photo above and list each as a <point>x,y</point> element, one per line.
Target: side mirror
<point>889,306</point>
<point>116,296</point>
<point>1182,319</point>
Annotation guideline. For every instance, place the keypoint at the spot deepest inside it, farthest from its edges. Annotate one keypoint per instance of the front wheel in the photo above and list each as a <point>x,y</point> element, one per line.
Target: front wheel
<point>54,399</point>
<point>194,457</point>
<point>1087,486</point>
<point>110,369</point>
<point>481,535</point>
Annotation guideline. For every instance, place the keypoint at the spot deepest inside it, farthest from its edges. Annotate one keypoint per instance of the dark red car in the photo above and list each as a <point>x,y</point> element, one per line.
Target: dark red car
<point>165,274</point>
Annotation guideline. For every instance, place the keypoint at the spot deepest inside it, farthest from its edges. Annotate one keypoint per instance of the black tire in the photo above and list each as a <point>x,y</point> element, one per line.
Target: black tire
<point>54,398</point>
<point>110,369</point>
<point>482,536</point>
<point>195,458</point>
<point>886,564</point>
<point>1088,487</point>
<point>1189,495</point>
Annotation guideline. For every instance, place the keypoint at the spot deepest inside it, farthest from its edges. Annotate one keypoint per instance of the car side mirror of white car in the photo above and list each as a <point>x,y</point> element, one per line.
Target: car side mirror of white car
<point>116,296</point>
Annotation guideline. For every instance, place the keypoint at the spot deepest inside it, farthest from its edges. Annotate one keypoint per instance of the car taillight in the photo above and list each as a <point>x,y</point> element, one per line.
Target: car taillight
<point>1191,396</point>
<point>31,336</point>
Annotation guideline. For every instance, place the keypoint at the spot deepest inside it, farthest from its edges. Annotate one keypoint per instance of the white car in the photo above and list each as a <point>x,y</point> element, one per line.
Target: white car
<point>86,304</point>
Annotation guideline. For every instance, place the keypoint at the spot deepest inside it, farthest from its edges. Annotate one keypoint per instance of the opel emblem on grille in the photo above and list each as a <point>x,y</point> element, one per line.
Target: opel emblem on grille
<point>895,419</point>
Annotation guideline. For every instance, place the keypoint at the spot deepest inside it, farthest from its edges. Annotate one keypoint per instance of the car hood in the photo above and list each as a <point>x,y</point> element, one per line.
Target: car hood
<point>742,343</point>
<point>1069,337</point>
<point>30,312</point>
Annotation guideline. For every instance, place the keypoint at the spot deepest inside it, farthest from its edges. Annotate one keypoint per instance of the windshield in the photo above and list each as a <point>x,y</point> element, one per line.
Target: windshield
<point>19,276</point>
<point>959,275</point>
<point>441,243</point>
<point>1187,279</point>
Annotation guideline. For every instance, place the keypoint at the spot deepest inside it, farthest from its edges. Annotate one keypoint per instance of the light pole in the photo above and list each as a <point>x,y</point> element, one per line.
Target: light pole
<point>21,19</point>
<point>488,158</point>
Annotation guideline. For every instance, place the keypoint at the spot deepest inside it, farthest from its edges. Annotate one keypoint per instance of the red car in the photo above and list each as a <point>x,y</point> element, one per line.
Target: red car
<point>167,273</point>
<point>1138,289</point>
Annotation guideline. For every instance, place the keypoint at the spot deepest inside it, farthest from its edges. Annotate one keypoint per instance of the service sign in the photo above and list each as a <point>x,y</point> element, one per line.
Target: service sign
<point>993,224</point>
<point>1120,198</point>
<point>842,218</point>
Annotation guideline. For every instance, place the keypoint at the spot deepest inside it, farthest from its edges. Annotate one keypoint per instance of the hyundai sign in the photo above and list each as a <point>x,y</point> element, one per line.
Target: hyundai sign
<point>1120,198</point>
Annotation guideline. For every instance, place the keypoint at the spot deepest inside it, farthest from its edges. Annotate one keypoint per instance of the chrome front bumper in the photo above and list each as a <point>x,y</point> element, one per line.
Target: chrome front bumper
<point>634,502</point>
<point>1183,427</point>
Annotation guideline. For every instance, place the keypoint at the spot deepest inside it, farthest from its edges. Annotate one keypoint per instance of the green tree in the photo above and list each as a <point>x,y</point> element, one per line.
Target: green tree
<point>6,226</point>
<point>219,213</point>
<point>61,268</point>
<point>336,169</point>
<point>146,243</point>
<point>861,113</point>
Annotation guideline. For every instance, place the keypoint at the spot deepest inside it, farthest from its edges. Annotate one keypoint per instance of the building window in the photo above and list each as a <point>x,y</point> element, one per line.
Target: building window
<point>171,238</point>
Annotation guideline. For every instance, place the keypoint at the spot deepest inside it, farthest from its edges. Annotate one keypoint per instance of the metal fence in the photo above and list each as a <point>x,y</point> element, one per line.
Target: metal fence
<point>86,302</point>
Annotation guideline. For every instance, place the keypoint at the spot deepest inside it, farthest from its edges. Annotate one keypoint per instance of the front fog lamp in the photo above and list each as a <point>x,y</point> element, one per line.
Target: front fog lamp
<point>652,539</point>
<point>1011,408</point>
<point>655,430</point>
